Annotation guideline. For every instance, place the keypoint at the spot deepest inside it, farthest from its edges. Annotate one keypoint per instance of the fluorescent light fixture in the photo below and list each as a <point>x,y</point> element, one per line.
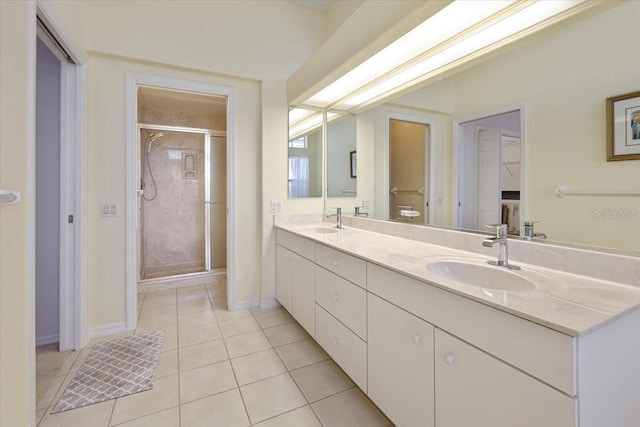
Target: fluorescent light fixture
<point>511,25</point>
<point>448,22</point>
<point>465,25</point>
<point>298,114</point>
<point>306,125</point>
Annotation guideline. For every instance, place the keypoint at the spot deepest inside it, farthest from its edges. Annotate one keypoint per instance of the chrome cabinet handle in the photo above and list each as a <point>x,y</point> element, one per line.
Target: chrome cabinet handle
<point>417,338</point>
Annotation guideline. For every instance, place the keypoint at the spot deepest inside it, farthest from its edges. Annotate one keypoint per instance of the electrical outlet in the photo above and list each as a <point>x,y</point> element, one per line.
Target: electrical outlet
<point>276,206</point>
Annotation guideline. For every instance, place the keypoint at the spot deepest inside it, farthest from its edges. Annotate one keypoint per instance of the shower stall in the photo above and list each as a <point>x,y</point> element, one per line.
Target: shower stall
<point>181,201</point>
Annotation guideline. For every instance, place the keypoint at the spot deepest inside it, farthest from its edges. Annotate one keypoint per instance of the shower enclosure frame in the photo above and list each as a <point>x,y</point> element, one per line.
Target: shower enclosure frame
<point>207,133</point>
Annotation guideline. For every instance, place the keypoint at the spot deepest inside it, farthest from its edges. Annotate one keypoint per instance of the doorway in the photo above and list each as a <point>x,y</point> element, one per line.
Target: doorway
<point>409,170</point>
<point>489,170</point>
<point>59,314</point>
<point>47,259</point>
<point>184,97</point>
<point>182,187</point>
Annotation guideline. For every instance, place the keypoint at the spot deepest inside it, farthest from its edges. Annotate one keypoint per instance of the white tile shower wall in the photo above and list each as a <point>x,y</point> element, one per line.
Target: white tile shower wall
<point>600,265</point>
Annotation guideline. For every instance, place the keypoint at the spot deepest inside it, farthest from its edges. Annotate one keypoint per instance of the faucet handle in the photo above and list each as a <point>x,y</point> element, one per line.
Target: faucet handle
<point>501,229</point>
<point>530,223</point>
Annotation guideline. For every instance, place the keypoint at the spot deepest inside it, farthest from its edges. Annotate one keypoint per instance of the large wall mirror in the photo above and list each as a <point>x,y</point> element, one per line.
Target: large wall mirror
<point>304,177</point>
<point>493,142</point>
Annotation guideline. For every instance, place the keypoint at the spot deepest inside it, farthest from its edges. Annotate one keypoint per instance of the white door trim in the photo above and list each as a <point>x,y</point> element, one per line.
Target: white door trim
<point>390,115</point>
<point>133,80</point>
<point>458,171</point>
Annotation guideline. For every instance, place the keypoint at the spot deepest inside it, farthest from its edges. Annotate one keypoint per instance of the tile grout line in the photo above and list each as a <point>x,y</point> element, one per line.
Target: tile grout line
<point>244,404</point>
<point>292,378</point>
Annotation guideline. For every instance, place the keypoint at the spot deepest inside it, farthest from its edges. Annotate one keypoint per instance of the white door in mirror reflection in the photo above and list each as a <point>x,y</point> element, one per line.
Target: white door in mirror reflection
<point>489,177</point>
<point>409,148</point>
<point>490,172</point>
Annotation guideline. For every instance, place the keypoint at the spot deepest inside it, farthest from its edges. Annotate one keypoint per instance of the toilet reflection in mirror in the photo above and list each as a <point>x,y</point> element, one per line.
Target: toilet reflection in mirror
<point>409,170</point>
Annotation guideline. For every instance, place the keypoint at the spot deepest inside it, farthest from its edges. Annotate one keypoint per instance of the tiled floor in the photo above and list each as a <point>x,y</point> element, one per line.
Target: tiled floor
<point>217,368</point>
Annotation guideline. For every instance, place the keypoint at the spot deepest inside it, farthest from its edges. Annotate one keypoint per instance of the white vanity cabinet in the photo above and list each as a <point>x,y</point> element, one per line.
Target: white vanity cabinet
<point>400,364</point>
<point>429,356</point>
<point>295,279</point>
<point>473,388</point>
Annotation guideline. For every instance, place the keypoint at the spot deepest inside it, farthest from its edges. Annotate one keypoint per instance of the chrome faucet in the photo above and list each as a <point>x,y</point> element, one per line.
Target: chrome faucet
<point>529,232</point>
<point>358,212</point>
<point>503,251</point>
<point>338,216</point>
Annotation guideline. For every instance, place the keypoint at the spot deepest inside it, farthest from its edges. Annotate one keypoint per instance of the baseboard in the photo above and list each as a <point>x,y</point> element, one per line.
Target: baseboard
<point>113,328</point>
<point>47,339</point>
<point>269,303</point>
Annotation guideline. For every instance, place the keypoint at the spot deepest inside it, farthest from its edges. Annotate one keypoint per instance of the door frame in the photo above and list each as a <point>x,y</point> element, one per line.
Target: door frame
<point>73,334</point>
<point>458,142</point>
<point>429,154</point>
<point>133,80</point>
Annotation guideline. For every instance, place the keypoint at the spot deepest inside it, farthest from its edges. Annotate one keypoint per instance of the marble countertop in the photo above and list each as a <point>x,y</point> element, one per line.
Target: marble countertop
<point>568,303</point>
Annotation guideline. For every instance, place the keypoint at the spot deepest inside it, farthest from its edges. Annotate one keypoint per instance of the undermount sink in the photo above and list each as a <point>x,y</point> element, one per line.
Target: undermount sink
<point>324,230</point>
<point>480,275</point>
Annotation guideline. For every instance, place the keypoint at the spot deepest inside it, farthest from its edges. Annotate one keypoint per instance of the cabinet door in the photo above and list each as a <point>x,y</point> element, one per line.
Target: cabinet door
<point>400,371</point>
<point>476,389</point>
<point>304,293</point>
<point>284,277</point>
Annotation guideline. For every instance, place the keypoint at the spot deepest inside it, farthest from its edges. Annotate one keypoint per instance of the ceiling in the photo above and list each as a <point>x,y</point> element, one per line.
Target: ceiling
<point>163,99</point>
<point>317,5</point>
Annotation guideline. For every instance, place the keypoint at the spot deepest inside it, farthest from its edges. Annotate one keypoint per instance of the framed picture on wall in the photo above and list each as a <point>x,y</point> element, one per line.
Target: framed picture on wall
<point>353,160</point>
<point>623,127</point>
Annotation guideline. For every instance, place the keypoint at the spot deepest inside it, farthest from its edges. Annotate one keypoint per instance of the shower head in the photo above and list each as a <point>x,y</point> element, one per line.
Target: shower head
<point>152,138</point>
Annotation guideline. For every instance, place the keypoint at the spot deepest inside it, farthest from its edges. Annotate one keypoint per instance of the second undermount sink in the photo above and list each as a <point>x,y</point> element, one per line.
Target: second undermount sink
<point>480,275</point>
<point>323,230</point>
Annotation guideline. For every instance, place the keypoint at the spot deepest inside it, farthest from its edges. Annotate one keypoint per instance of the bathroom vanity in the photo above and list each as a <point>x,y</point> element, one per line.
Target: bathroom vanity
<point>432,344</point>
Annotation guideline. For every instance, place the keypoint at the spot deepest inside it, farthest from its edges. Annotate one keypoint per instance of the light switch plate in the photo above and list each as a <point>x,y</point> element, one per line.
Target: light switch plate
<point>276,206</point>
<point>109,209</point>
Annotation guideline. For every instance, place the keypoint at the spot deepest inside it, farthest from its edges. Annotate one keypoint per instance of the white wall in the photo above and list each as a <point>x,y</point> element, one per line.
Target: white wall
<point>258,40</point>
<point>216,40</point>
<point>47,196</point>
<point>17,222</point>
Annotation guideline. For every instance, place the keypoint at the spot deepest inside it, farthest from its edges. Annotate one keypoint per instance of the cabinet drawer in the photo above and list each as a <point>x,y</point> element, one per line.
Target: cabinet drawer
<point>542,352</point>
<point>344,300</point>
<point>347,266</point>
<point>297,244</point>
<point>349,351</point>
